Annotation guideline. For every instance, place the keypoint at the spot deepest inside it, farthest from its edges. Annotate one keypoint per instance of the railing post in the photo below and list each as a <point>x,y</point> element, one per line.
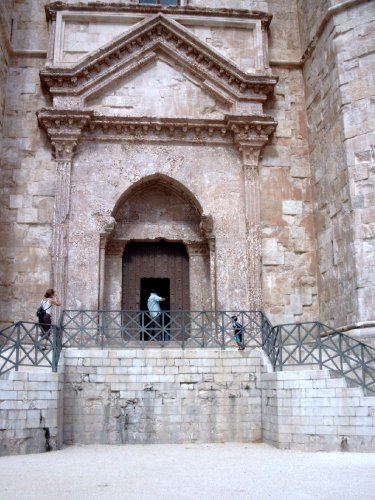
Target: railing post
<point>319,340</point>
<point>362,369</point>
<point>279,352</point>
<point>18,343</point>
<point>142,330</point>
<point>55,348</point>
<point>102,326</point>
<point>184,314</point>
<point>222,331</point>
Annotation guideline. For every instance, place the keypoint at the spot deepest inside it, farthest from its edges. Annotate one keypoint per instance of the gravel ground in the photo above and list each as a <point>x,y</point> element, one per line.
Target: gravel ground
<point>229,471</point>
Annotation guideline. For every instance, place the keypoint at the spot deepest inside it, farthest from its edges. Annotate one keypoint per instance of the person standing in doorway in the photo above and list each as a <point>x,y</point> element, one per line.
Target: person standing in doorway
<point>49,300</point>
<point>153,306</point>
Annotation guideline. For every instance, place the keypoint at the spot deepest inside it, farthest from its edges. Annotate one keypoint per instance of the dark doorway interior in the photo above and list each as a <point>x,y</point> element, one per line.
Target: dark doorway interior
<point>161,286</point>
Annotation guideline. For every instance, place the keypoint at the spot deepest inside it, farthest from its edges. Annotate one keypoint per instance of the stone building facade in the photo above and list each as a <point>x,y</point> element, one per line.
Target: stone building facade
<point>235,137</point>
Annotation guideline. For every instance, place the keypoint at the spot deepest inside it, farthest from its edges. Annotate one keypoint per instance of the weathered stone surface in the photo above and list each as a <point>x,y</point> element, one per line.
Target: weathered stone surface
<point>162,396</point>
<point>341,142</point>
<point>310,411</point>
<point>315,222</point>
<point>30,412</point>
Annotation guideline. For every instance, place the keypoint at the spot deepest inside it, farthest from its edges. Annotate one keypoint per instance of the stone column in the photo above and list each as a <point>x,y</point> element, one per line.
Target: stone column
<point>207,229</point>
<point>199,276</point>
<point>102,262</point>
<point>112,279</point>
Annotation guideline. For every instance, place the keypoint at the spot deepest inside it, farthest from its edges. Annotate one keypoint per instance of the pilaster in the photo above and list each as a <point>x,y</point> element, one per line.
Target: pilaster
<point>250,140</point>
<point>64,133</point>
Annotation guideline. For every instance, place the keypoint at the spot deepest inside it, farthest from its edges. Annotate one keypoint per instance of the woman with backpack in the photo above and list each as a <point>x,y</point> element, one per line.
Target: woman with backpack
<point>49,300</point>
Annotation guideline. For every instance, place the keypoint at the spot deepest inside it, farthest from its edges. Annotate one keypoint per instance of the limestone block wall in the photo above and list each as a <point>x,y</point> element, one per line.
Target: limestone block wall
<point>308,410</point>
<point>339,80</point>
<point>161,396</point>
<point>5,32</point>
<point>284,42</point>
<point>30,412</point>
<point>30,32</point>
<point>289,250</point>
<point>28,175</point>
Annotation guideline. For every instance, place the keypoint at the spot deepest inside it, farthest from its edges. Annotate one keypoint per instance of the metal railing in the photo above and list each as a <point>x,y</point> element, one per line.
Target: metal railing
<point>181,329</point>
<point>21,345</point>
<point>318,344</point>
<point>285,345</point>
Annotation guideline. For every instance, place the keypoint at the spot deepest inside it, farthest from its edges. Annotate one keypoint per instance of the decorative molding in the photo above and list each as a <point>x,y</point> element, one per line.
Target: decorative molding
<point>140,46</point>
<point>52,9</point>
<point>66,128</point>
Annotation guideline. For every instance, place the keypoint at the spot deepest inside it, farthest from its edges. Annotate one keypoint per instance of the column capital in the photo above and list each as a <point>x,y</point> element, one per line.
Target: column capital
<point>115,247</point>
<point>206,225</point>
<point>197,248</point>
<point>64,129</point>
<point>250,134</point>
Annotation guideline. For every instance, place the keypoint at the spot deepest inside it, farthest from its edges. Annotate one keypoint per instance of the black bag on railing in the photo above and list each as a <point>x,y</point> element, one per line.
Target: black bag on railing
<point>40,312</point>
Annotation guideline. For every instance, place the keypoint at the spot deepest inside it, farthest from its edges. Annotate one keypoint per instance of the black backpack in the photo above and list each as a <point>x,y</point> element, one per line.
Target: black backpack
<point>40,312</point>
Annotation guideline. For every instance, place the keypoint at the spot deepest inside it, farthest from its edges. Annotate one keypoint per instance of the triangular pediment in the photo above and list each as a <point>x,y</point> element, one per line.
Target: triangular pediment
<point>170,93</point>
<point>152,39</point>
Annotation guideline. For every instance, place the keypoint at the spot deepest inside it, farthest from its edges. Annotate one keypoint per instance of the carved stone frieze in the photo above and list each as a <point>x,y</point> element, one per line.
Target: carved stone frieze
<point>66,128</point>
<point>158,34</point>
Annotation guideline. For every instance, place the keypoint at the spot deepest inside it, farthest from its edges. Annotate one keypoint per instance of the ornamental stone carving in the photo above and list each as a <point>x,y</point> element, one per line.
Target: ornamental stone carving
<point>71,124</point>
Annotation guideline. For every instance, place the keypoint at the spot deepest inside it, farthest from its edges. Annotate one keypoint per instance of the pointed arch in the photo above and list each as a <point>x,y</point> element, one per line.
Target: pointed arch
<point>163,181</point>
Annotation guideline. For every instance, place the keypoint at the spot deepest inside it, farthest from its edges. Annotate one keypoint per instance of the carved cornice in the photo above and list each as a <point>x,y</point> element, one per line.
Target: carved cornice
<point>158,129</point>
<point>70,126</point>
<point>140,46</point>
<point>52,8</point>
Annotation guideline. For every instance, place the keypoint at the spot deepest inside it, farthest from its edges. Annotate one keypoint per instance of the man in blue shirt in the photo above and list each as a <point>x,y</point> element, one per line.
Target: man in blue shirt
<point>154,309</point>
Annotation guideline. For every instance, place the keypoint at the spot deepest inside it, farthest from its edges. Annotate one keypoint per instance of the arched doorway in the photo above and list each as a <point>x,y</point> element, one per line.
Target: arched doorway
<point>160,233</point>
<point>162,266</point>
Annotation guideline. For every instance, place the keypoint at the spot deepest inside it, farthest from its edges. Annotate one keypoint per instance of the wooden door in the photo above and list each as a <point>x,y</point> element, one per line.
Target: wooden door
<point>161,260</point>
